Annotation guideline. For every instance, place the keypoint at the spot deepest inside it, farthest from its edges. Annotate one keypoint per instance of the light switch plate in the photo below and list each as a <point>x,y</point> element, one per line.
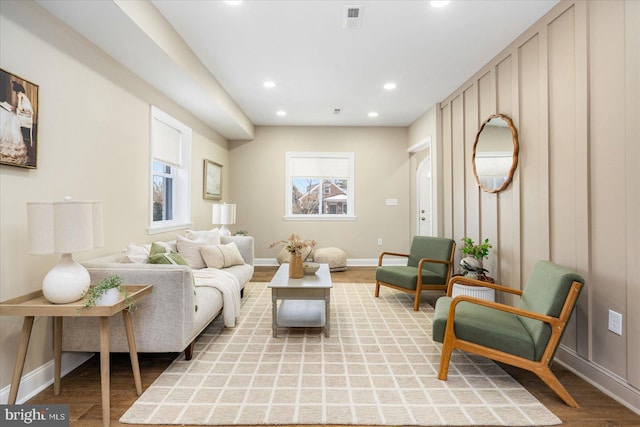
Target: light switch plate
<point>615,322</point>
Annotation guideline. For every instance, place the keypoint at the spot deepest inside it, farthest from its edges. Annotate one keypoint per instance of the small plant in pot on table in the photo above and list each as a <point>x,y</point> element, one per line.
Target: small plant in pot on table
<point>471,265</point>
<point>107,292</point>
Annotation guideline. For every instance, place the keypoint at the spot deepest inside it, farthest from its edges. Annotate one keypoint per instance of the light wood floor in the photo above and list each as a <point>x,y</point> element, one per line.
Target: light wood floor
<point>81,388</point>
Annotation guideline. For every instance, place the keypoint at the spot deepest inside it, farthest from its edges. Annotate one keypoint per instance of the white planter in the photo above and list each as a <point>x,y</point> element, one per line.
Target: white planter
<point>109,297</point>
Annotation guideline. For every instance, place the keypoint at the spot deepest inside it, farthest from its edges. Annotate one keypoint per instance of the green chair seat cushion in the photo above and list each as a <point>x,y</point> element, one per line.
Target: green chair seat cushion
<point>407,277</point>
<point>485,326</point>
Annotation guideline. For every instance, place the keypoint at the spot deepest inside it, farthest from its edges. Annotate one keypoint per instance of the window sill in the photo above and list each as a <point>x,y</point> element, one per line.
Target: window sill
<point>164,228</point>
<point>320,217</point>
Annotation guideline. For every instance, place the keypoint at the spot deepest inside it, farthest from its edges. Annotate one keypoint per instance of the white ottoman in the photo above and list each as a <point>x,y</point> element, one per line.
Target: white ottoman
<point>335,257</point>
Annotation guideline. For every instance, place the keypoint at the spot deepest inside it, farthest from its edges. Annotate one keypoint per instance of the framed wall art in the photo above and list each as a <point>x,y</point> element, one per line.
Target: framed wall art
<point>18,121</point>
<point>212,186</point>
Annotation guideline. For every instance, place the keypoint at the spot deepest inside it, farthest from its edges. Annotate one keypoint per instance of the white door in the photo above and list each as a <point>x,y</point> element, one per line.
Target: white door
<point>425,198</point>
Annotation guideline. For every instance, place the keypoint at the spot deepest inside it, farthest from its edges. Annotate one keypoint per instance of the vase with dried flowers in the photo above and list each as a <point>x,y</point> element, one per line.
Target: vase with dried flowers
<point>295,246</point>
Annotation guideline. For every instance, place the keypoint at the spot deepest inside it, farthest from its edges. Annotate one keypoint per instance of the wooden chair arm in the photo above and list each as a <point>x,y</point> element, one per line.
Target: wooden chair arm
<point>474,282</point>
<point>390,254</point>
<point>436,261</point>
<point>498,306</point>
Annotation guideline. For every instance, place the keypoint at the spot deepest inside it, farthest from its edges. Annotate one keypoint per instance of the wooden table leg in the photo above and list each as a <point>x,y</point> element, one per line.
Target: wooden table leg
<point>274,312</point>
<point>327,314</point>
<point>133,352</point>
<point>27,325</point>
<point>104,370</point>
<point>57,354</point>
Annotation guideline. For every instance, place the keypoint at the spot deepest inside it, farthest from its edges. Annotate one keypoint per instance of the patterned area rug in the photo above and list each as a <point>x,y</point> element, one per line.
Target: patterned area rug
<point>379,367</point>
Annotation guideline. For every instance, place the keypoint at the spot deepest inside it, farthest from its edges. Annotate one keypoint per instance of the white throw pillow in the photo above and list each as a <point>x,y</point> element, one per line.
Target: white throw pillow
<point>135,254</point>
<point>221,256</point>
<point>212,235</point>
<point>190,250</point>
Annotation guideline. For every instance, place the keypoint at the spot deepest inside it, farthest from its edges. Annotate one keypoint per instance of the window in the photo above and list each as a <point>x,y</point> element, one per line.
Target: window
<point>319,186</point>
<point>170,173</point>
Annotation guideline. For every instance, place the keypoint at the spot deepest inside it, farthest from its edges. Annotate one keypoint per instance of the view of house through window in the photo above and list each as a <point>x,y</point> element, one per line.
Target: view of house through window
<point>163,179</point>
<point>320,185</point>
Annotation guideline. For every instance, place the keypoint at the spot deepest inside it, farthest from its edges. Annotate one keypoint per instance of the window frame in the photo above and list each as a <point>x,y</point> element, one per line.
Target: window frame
<point>290,157</point>
<point>181,175</point>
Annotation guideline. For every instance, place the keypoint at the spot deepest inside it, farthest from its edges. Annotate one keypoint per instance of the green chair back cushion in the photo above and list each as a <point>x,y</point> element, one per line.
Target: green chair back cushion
<point>545,293</point>
<point>434,248</point>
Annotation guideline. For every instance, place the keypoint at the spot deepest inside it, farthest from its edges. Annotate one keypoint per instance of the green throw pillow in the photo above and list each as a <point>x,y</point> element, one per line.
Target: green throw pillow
<point>162,255</point>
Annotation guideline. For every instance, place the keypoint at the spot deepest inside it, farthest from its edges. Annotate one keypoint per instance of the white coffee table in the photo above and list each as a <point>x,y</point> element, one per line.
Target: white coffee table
<point>304,302</point>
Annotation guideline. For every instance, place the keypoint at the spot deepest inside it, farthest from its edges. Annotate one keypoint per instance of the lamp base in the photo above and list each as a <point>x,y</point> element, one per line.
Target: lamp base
<point>67,282</point>
<point>224,231</point>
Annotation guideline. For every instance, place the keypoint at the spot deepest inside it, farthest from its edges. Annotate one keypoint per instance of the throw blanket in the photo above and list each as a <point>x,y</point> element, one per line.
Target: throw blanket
<point>228,286</point>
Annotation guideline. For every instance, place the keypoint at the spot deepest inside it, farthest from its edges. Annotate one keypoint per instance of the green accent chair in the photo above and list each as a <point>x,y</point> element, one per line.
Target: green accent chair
<point>432,256</point>
<point>525,336</point>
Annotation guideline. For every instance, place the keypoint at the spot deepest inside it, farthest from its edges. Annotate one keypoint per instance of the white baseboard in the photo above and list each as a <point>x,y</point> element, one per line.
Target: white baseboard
<point>40,378</point>
<point>351,262</point>
<point>605,381</point>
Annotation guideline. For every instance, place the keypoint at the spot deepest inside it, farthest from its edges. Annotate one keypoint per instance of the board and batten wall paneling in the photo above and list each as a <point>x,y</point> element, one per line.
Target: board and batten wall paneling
<point>507,212</point>
<point>632,77</point>
<point>458,168</point>
<point>607,181</point>
<point>571,84</point>
<point>563,159</point>
<point>447,165</point>
<point>472,192</point>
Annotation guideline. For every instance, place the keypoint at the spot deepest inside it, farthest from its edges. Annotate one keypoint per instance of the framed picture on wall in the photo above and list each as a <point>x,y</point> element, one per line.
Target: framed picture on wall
<point>18,121</point>
<point>212,186</point>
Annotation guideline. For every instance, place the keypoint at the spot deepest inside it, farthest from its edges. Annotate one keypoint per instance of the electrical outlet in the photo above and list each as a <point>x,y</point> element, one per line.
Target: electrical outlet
<point>379,241</point>
<point>615,322</point>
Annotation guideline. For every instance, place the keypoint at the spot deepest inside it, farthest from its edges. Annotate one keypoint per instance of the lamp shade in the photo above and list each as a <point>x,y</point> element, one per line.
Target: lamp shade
<point>64,227</point>
<point>223,214</point>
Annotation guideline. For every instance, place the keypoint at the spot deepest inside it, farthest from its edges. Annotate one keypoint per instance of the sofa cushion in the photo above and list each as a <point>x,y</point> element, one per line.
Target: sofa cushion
<point>135,254</point>
<point>212,235</point>
<point>221,256</point>
<point>162,255</point>
<point>190,250</point>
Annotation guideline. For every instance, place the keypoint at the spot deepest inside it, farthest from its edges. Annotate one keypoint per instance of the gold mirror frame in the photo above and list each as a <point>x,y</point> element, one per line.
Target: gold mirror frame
<point>514,154</point>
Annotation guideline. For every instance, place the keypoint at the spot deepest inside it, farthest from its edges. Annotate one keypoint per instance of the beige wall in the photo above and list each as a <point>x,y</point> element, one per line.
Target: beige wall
<point>571,86</point>
<point>381,172</point>
<point>93,143</point>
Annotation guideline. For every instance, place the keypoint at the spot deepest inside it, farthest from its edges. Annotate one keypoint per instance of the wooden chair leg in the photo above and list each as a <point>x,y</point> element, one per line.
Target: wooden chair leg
<point>445,358</point>
<point>554,384</point>
<point>416,301</point>
<point>377,292</point>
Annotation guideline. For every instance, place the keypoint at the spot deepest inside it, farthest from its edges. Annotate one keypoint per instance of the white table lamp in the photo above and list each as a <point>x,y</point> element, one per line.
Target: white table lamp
<point>224,214</point>
<point>63,228</point>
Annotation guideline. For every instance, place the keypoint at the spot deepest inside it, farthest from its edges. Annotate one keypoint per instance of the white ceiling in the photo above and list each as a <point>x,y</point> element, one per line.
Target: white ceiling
<point>317,64</point>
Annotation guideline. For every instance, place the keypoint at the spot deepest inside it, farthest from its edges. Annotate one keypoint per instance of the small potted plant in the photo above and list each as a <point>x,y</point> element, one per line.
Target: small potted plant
<point>471,264</point>
<point>107,292</point>
<point>298,249</point>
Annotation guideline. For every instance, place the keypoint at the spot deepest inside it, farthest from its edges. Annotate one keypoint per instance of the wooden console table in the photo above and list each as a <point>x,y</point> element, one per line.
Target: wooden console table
<point>34,304</point>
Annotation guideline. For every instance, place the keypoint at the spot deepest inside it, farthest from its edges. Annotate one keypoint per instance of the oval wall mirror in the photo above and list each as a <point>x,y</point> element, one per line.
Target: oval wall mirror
<point>495,153</point>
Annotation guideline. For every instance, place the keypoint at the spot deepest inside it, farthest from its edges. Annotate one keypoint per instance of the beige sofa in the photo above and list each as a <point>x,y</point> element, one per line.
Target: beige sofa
<point>166,320</point>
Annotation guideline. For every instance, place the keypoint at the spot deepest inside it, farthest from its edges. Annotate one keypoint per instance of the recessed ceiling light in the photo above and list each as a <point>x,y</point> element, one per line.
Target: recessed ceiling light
<point>269,84</point>
<point>373,114</point>
<point>281,113</point>
<point>233,2</point>
<point>440,3</point>
<point>389,86</point>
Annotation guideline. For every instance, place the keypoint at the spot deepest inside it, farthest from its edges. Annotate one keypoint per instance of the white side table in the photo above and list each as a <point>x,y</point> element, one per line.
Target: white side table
<point>473,291</point>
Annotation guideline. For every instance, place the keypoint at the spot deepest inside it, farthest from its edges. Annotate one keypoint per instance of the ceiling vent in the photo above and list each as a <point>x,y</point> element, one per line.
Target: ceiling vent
<point>352,17</point>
